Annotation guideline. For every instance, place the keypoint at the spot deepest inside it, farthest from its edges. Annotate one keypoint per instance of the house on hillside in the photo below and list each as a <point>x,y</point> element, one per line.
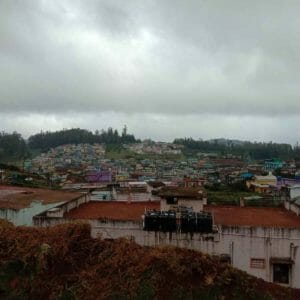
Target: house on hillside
<point>273,164</point>
<point>262,184</point>
<point>173,198</point>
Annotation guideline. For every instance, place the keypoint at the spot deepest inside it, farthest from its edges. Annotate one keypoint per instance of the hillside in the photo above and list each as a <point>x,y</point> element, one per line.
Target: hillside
<point>64,262</point>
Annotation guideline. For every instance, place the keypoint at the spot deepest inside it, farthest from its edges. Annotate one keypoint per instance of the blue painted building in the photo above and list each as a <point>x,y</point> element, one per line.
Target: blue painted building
<point>273,164</point>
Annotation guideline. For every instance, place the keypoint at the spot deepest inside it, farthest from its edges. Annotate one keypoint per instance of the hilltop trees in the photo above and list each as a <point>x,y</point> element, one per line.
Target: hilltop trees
<point>12,146</point>
<point>47,140</point>
<point>254,150</point>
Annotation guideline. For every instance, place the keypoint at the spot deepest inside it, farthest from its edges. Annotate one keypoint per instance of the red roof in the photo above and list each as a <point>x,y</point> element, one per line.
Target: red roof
<point>21,197</point>
<point>223,215</point>
<point>113,210</point>
<point>254,216</point>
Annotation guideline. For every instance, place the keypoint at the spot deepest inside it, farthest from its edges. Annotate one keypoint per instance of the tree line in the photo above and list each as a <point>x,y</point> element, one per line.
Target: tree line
<point>14,147</point>
<point>46,140</point>
<point>253,150</point>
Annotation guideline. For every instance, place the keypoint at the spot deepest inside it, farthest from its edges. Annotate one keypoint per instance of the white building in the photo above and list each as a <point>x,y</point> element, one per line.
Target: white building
<point>174,197</point>
<point>261,241</point>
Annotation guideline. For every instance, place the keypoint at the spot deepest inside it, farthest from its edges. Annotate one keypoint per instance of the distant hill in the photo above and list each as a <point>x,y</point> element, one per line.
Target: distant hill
<point>47,140</point>
<point>246,149</point>
<point>64,262</point>
<point>14,148</point>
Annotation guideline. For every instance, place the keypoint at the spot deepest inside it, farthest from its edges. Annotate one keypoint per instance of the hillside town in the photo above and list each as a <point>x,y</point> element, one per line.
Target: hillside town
<point>149,150</point>
<point>78,164</point>
<point>242,211</point>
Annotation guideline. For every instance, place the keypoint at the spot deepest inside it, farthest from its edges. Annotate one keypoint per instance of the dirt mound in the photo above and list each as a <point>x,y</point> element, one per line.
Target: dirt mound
<point>64,262</point>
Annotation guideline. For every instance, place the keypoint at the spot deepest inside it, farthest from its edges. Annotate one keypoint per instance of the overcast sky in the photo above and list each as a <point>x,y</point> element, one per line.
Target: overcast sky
<point>166,68</point>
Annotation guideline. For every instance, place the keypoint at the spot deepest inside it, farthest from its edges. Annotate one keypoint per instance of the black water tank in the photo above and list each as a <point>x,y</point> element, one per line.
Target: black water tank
<point>204,222</point>
<point>151,221</point>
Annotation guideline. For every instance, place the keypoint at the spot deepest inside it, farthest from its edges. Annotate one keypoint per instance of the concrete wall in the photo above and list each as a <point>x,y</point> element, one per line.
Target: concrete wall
<point>197,205</point>
<point>289,205</point>
<point>136,197</point>
<point>24,216</point>
<point>294,192</point>
<point>295,208</point>
<point>59,211</point>
<point>241,243</point>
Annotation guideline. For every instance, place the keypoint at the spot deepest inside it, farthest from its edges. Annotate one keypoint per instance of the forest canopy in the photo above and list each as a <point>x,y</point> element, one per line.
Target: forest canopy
<point>46,140</point>
<point>14,147</point>
<point>253,150</point>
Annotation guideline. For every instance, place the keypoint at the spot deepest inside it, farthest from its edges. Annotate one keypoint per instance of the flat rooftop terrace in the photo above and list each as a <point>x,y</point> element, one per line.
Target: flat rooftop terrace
<point>254,216</point>
<point>223,215</point>
<point>113,210</point>
<point>12,197</point>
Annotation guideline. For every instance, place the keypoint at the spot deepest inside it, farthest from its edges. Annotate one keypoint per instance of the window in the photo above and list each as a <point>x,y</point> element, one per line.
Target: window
<point>225,259</point>
<point>257,263</point>
<point>281,273</point>
<point>171,200</point>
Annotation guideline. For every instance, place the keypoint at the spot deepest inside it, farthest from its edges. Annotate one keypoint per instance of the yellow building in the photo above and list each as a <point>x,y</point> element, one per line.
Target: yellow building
<point>262,184</point>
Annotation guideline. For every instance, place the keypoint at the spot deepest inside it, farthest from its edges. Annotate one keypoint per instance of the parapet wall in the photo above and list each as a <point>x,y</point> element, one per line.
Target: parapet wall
<point>240,244</point>
<point>55,215</point>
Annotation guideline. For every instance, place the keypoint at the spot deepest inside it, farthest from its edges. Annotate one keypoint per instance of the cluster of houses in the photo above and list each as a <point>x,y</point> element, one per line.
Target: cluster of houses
<point>150,147</point>
<point>85,163</point>
<point>66,156</point>
<point>164,201</point>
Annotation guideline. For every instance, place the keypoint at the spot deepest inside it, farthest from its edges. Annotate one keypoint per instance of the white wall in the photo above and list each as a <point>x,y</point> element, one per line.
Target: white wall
<point>241,243</point>
<point>294,192</point>
<point>197,205</point>
<point>45,217</point>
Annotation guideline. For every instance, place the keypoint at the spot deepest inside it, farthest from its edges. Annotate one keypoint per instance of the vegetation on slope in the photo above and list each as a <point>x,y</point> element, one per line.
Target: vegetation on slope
<point>14,148</point>
<point>246,149</point>
<point>111,137</point>
<point>64,262</point>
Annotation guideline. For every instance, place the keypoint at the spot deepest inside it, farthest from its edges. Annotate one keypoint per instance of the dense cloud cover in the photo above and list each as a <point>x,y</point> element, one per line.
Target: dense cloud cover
<point>165,68</point>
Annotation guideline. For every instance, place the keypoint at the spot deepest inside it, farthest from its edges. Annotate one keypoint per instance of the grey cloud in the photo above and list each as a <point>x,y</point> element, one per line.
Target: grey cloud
<point>160,126</point>
<point>167,57</point>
